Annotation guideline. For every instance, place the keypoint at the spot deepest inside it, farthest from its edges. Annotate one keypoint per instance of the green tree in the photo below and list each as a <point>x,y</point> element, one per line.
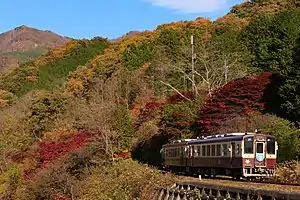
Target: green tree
<point>271,40</point>
<point>122,124</point>
<point>288,138</point>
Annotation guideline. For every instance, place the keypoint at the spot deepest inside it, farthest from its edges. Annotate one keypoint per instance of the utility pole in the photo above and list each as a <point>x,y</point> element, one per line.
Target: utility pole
<point>193,66</point>
<point>226,71</point>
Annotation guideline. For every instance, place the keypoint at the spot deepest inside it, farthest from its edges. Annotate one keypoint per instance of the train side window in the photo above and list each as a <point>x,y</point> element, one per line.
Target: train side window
<point>270,145</point>
<point>238,146</point>
<point>218,150</point>
<point>208,150</point>
<point>203,150</point>
<point>213,150</point>
<point>186,152</point>
<point>198,149</point>
<point>225,150</point>
<point>195,151</point>
<point>248,145</point>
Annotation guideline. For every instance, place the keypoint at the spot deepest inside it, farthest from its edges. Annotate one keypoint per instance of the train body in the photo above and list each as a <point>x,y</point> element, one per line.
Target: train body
<point>248,155</point>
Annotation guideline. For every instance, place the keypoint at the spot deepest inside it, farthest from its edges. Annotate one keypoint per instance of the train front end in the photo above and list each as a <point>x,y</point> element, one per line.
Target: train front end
<point>259,156</point>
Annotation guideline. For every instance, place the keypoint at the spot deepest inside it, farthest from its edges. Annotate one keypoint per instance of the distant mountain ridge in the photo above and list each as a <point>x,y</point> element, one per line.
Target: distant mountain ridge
<point>24,38</point>
<point>24,43</point>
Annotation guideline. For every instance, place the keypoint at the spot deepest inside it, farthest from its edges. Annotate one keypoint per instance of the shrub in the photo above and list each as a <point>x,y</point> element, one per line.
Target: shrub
<point>288,172</point>
<point>9,181</point>
<point>6,98</point>
<point>125,179</point>
<point>47,184</point>
<point>288,137</point>
<point>44,109</point>
<point>49,151</point>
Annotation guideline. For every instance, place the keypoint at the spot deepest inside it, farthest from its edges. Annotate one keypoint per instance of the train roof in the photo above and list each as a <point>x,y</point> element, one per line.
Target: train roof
<point>213,138</point>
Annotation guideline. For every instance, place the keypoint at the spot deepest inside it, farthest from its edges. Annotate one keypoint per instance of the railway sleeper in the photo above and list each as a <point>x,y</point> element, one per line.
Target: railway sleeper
<point>196,191</point>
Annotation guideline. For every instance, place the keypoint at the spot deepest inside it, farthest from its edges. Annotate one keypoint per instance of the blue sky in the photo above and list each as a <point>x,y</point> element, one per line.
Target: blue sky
<point>106,18</point>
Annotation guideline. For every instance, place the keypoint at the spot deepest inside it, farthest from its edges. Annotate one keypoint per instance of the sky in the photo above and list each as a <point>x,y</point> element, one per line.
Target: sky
<point>105,18</point>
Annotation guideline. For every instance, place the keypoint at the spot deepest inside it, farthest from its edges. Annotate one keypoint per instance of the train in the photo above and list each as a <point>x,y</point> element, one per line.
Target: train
<point>238,155</point>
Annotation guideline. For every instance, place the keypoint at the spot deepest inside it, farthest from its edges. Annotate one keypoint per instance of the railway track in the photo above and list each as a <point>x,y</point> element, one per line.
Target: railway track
<point>191,187</point>
<point>226,179</point>
<point>188,190</point>
<point>264,181</point>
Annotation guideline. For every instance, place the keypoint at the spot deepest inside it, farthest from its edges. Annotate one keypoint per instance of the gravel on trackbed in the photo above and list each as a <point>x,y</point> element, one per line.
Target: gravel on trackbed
<point>242,184</point>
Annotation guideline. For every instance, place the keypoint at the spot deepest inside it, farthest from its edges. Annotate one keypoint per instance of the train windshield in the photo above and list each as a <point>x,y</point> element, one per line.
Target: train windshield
<point>271,145</point>
<point>248,145</point>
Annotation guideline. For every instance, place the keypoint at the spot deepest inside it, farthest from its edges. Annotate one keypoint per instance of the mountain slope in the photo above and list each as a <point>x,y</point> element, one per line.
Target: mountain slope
<point>25,43</point>
<point>25,38</point>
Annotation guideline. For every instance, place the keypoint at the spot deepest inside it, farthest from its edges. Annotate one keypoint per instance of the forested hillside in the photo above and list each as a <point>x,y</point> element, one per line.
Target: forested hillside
<point>72,121</point>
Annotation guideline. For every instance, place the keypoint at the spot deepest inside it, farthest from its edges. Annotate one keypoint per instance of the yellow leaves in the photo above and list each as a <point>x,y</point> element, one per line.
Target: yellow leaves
<point>137,39</point>
<point>57,53</point>
<point>110,57</point>
<point>142,70</point>
<point>174,25</point>
<point>231,20</point>
<point>58,135</point>
<point>6,98</point>
<point>9,179</point>
<point>102,64</point>
<point>198,23</point>
<point>75,86</point>
<point>79,79</point>
<point>28,164</point>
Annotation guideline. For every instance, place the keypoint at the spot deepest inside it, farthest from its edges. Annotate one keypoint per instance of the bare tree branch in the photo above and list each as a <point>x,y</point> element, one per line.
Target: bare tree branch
<point>169,85</point>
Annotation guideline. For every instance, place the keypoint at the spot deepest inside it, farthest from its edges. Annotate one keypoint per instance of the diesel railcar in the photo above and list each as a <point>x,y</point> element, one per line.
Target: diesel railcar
<point>247,155</point>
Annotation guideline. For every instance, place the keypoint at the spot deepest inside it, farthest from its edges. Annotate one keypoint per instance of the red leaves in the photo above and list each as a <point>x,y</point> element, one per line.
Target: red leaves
<point>49,151</point>
<point>248,94</point>
<point>123,155</point>
<point>176,98</point>
<point>61,197</point>
<point>154,106</point>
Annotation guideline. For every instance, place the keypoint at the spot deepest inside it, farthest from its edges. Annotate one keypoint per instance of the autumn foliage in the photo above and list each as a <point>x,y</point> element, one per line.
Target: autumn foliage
<point>49,151</point>
<point>246,95</point>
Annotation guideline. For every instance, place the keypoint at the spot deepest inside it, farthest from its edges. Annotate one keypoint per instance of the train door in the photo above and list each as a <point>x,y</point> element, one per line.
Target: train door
<point>233,153</point>
<point>260,154</point>
<point>192,150</point>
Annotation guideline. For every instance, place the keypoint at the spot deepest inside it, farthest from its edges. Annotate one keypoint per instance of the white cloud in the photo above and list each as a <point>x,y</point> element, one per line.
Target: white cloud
<point>191,6</point>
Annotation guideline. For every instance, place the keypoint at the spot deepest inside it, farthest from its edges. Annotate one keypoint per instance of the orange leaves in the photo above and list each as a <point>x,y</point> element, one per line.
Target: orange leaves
<point>137,39</point>
<point>79,80</point>
<point>57,53</point>
<point>233,21</point>
<point>181,25</point>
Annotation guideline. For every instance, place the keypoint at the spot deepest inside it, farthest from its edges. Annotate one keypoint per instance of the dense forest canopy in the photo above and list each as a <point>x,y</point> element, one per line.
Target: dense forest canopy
<point>71,117</point>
